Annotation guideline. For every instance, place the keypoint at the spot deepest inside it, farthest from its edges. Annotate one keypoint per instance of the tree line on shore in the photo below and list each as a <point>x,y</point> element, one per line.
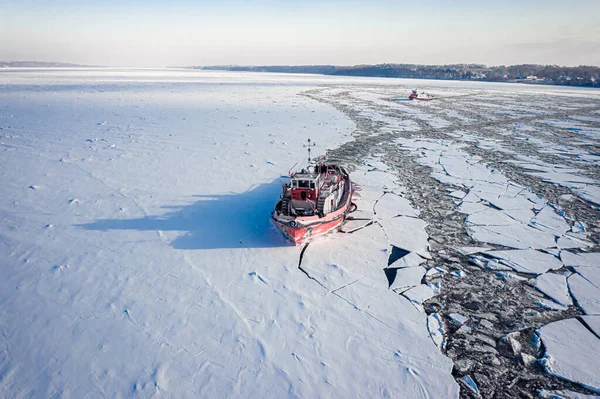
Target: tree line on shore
<point>583,75</point>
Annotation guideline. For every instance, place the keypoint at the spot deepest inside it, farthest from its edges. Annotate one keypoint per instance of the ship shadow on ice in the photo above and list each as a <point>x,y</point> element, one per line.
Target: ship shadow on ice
<point>239,220</point>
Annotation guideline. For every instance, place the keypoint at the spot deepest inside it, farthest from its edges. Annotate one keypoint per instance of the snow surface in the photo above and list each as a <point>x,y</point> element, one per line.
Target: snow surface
<point>138,258</point>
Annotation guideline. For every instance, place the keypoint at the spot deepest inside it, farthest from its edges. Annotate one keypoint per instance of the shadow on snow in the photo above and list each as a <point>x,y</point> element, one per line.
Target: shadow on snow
<point>214,221</point>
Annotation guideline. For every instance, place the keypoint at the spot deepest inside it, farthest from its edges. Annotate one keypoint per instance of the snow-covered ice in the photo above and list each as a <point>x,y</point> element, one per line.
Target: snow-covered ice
<point>407,277</point>
<point>390,205</point>
<point>572,352</point>
<point>555,287</point>
<point>138,259</point>
<point>407,233</point>
<point>527,260</point>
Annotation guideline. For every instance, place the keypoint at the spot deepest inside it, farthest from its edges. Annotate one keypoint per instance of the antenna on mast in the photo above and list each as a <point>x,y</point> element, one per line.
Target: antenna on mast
<point>308,146</point>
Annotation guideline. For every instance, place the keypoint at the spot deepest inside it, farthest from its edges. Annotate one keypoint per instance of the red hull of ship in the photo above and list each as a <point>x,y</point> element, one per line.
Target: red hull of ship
<point>300,234</point>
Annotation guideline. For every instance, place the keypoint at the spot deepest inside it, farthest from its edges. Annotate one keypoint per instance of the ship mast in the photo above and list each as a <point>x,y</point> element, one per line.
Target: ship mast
<point>308,146</point>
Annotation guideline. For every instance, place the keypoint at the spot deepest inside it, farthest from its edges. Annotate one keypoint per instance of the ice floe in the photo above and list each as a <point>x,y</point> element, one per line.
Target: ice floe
<point>421,293</point>
<point>550,305</point>
<point>436,329</point>
<point>593,322</point>
<point>572,353</point>
<point>586,293</point>
<point>527,261</point>
<point>586,259</point>
<point>407,277</point>
<point>548,220</point>
<point>564,394</point>
<point>514,236</point>
<point>554,286</point>
<point>391,205</point>
<point>407,233</point>
<point>411,259</point>
<point>472,250</point>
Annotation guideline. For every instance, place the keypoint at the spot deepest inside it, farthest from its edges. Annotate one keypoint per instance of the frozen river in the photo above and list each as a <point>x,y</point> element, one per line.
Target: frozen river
<point>137,255</point>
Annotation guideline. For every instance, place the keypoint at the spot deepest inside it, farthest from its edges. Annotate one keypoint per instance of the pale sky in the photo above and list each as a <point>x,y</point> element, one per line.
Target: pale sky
<point>150,33</point>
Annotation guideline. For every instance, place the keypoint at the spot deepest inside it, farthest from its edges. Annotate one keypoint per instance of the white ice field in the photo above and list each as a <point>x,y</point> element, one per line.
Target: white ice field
<point>137,258</point>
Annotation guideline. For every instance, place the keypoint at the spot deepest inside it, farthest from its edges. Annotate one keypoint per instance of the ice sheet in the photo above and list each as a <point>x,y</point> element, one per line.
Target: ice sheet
<point>341,260</point>
<point>138,259</point>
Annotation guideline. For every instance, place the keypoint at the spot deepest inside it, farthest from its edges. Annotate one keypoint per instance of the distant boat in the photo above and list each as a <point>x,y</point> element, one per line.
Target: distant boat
<point>423,96</point>
<point>315,201</point>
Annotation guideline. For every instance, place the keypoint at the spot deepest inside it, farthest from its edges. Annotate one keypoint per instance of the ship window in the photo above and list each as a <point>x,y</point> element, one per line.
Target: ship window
<point>312,184</point>
<point>303,183</point>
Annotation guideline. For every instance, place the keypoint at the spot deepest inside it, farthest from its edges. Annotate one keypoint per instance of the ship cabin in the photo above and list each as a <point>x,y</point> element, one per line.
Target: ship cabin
<point>305,186</point>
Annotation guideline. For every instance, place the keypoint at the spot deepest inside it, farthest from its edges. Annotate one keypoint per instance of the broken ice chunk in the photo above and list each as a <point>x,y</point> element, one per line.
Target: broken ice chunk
<point>578,227</point>
<point>470,384</point>
<point>421,293</point>
<point>406,233</point>
<point>569,241</point>
<point>457,194</point>
<point>572,353</point>
<point>527,359</point>
<point>458,273</point>
<point>548,220</point>
<point>564,394</point>
<point>506,276</point>
<point>490,217</point>
<point>590,193</point>
<point>581,259</point>
<point>435,271</point>
<point>436,330</point>
<point>472,250</point>
<point>471,207</point>
<point>337,262</point>
<point>549,305</point>
<point>527,261</point>
<point>515,236</point>
<point>585,293</point>
<point>457,318</point>
<point>407,277</point>
<point>490,264</point>
<point>593,322</point>
<point>521,215</point>
<point>555,287</point>
<point>350,224</point>
<point>511,340</point>
<point>391,205</point>
<point>409,260</point>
